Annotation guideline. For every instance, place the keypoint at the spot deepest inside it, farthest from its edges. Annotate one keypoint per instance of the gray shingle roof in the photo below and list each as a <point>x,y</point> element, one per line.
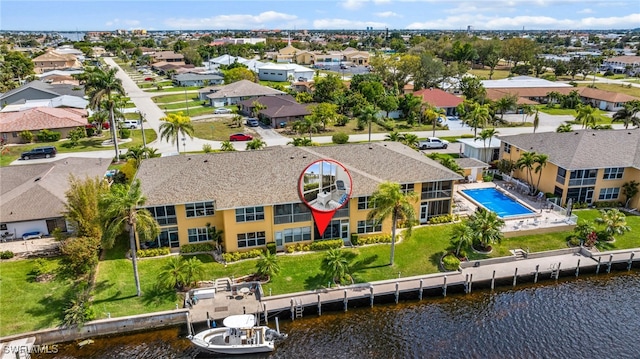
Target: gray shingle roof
<point>583,149</point>
<point>243,88</point>
<point>30,192</point>
<point>270,176</point>
<point>195,77</point>
<point>468,162</point>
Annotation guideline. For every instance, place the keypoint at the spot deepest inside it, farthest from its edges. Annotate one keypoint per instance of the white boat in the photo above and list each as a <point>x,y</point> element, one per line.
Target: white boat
<point>239,335</point>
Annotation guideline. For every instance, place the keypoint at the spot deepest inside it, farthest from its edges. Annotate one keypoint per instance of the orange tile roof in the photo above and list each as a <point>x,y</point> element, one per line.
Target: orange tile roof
<point>438,98</point>
<point>40,118</point>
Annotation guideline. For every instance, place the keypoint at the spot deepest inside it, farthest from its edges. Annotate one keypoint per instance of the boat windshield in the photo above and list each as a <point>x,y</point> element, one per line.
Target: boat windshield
<point>239,321</point>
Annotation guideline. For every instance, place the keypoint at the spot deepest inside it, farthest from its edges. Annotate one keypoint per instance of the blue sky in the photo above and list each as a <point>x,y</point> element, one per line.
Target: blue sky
<point>51,15</point>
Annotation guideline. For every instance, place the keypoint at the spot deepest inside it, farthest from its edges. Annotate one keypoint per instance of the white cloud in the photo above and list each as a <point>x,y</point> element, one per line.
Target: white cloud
<point>354,4</point>
<point>387,14</point>
<point>585,11</point>
<point>479,22</point>
<point>345,24</point>
<point>123,22</point>
<point>236,21</point>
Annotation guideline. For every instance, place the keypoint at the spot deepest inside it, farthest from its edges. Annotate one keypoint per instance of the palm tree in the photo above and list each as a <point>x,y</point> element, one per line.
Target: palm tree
<point>120,209</point>
<point>409,139</point>
<point>267,266</point>
<point>487,134</point>
<point>486,226</point>
<point>565,127</point>
<point>227,146</point>
<point>367,115</point>
<point>528,110</point>
<point>335,265</point>
<point>553,98</point>
<point>102,86</point>
<point>301,141</point>
<point>175,125</point>
<point>630,189</point>
<point>432,114</point>
<point>307,124</point>
<point>614,222</point>
<point>536,120</point>
<point>627,114</point>
<point>393,136</point>
<point>527,161</point>
<point>479,116</point>
<point>586,115</point>
<point>451,164</point>
<point>257,107</point>
<point>505,104</point>
<point>137,154</point>
<point>172,273</point>
<point>193,271</point>
<point>540,160</point>
<point>236,121</point>
<point>390,201</point>
<point>463,234</point>
<point>256,144</point>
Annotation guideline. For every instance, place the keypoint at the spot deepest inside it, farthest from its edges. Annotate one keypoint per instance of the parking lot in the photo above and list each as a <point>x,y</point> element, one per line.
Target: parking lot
<point>345,70</point>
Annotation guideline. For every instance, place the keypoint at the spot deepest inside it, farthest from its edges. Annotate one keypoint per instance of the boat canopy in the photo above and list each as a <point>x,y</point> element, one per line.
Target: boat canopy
<point>239,321</point>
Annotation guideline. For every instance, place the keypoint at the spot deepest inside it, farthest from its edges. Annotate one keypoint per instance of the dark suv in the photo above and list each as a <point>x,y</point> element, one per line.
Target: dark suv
<point>39,152</point>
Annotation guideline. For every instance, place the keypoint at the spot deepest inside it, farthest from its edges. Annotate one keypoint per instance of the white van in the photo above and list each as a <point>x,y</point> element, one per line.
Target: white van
<point>131,124</point>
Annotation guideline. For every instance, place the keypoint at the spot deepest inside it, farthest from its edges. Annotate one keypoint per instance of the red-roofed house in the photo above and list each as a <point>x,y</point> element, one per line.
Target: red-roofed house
<point>35,119</point>
<point>440,99</point>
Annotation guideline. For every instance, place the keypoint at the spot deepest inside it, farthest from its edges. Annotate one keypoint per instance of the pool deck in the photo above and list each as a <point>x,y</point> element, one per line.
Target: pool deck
<point>542,220</point>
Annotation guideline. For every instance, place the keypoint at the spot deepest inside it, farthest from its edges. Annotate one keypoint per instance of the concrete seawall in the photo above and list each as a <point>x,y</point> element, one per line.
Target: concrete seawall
<point>103,327</point>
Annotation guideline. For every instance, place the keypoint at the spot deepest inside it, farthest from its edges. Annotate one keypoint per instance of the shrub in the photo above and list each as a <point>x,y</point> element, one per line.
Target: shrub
<point>326,244</point>
<point>467,135</point>
<point>48,136</point>
<point>81,253</point>
<point>6,255</point>
<point>340,138</point>
<point>354,239</point>
<point>236,256</point>
<point>26,136</point>
<point>445,218</point>
<point>549,77</point>
<point>75,135</point>
<point>197,247</point>
<point>450,262</point>
<point>574,241</point>
<point>153,252</point>
<point>271,247</point>
<point>206,148</point>
<point>125,133</point>
<point>373,239</point>
<point>342,120</point>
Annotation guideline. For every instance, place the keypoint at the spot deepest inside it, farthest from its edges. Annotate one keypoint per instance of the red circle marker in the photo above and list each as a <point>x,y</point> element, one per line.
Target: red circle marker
<point>325,186</point>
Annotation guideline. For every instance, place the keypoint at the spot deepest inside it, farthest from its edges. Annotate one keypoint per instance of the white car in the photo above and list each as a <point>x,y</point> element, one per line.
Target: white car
<point>221,110</point>
<point>433,142</point>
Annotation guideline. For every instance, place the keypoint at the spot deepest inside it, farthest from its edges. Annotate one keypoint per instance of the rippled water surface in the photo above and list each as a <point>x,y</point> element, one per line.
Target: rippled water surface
<point>591,317</point>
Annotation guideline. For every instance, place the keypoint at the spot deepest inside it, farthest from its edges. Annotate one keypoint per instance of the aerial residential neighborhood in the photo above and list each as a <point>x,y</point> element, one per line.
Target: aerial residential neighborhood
<point>147,174</point>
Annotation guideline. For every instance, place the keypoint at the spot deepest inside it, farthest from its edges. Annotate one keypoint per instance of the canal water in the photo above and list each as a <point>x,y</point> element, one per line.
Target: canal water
<point>590,317</point>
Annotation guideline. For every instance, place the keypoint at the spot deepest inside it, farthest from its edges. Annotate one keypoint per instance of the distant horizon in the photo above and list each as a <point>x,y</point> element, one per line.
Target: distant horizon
<point>333,30</point>
<point>319,15</point>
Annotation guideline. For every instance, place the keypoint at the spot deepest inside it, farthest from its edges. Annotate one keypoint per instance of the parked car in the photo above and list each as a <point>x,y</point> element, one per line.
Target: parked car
<point>343,66</point>
<point>433,142</point>
<point>221,110</point>
<point>32,235</point>
<point>131,124</point>
<point>253,122</point>
<point>39,152</point>
<point>240,137</point>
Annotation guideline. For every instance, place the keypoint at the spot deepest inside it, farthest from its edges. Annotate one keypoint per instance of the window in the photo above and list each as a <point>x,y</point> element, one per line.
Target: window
<point>199,209</point>
<point>507,148</point>
<point>436,190</point>
<point>580,194</point>
<point>438,208</point>
<point>613,173</point>
<point>291,235</point>
<point>406,188</point>
<point>168,237</point>
<point>164,215</point>
<point>583,177</point>
<point>369,226</point>
<point>198,234</point>
<point>248,214</point>
<point>609,194</point>
<point>561,175</point>
<point>364,202</point>
<point>290,213</point>
<point>251,239</point>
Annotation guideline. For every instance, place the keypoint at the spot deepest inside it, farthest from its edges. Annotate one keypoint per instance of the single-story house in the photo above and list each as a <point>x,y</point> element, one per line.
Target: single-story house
<point>32,196</point>
<point>61,120</point>
<point>279,110</point>
<point>440,99</point>
<point>285,72</point>
<point>60,101</point>
<point>191,79</point>
<point>238,91</point>
<point>38,90</point>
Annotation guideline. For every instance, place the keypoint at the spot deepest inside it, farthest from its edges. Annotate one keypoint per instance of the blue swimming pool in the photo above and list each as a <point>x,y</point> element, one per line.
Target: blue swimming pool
<point>496,201</point>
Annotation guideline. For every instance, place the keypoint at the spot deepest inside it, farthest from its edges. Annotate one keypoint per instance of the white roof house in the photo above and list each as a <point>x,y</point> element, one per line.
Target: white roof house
<point>60,101</point>
<point>479,149</point>
<point>283,72</point>
<point>522,82</point>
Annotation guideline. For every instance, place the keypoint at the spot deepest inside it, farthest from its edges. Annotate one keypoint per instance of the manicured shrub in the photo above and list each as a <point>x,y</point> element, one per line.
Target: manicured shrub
<point>574,241</point>
<point>373,239</point>
<point>340,138</point>
<point>326,244</point>
<point>445,218</point>
<point>206,148</point>
<point>153,252</point>
<point>125,133</point>
<point>271,247</point>
<point>26,136</point>
<point>236,256</point>
<point>467,135</point>
<point>48,136</point>
<point>6,255</point>
<point>450,262</point>
<point>354,239</point>
<point>197,247</point>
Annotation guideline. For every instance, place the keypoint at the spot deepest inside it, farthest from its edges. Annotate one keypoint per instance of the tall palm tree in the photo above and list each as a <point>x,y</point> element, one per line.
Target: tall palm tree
<point>540,160</point>
<point>335,265</point>
<point>256,144</point>
<point>136,153</point>
<point>526,162</point>
<point>120,208</point>
<point>103,86</point>
<point>432,114</point>
<point>565,127</point>
<point>528,110</point>
<point>536,120</point>
<point>367,114</point>
<point>486,225</point>
<point>627,114</point>
<point>480,116</point>
<point>176,125</point>
<point>586,115</point>
<point>505,104</point>
<point>267,265</point>
<point>553,97</point>
<point>487,134</point>
<point>390,201</point>
<point>614,221</point>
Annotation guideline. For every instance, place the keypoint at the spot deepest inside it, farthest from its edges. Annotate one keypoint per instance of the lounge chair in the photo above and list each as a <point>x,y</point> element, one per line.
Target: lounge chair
<point>340,185</point>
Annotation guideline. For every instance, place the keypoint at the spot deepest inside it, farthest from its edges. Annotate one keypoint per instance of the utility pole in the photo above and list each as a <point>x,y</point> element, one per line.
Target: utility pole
<point>144,138</point>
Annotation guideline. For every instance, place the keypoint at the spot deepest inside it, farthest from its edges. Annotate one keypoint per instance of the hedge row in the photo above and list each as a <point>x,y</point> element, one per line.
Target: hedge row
<point>314,246</point>
<point>153,252</point>
<point>6,255</point>
<point>197,247</point>
<point>446,218</point>
<point>378,238</point>
<point>236,256</point>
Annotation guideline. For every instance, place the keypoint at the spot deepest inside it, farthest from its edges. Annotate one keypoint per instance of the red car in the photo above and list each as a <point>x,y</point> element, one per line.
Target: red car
<point>240,137</point>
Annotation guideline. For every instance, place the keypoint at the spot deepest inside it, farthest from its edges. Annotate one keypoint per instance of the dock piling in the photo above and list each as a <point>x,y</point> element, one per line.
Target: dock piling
<point>609,264</point>
<point>515,277</point>
<point>535,277</point>
<point>189,332</point>
<point>319,306</point>
<point>444,287</point>
<point>371,295</point>
<point>345,300</point>
<point>266,314</point>
<point>578,268</point>
<point>470,281</point>
<point>397,292</point>
<point>598,267</point>
<point>493,280</point>
<point>293,311</point>
<point>466,283</point>
<point>558,271</point>
<point>630,261</point>
<point>421,286</point>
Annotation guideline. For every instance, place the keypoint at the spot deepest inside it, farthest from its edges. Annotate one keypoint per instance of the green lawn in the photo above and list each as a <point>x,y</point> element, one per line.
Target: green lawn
<point>182,105</point>
<point>177,97</point>
<point>556,111</point>
<point>350,129</point>
<point>196,111</point>
<point>13,152</point>
<point>175,89</point>
<point>484,73</point>
<point>218,130</point>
